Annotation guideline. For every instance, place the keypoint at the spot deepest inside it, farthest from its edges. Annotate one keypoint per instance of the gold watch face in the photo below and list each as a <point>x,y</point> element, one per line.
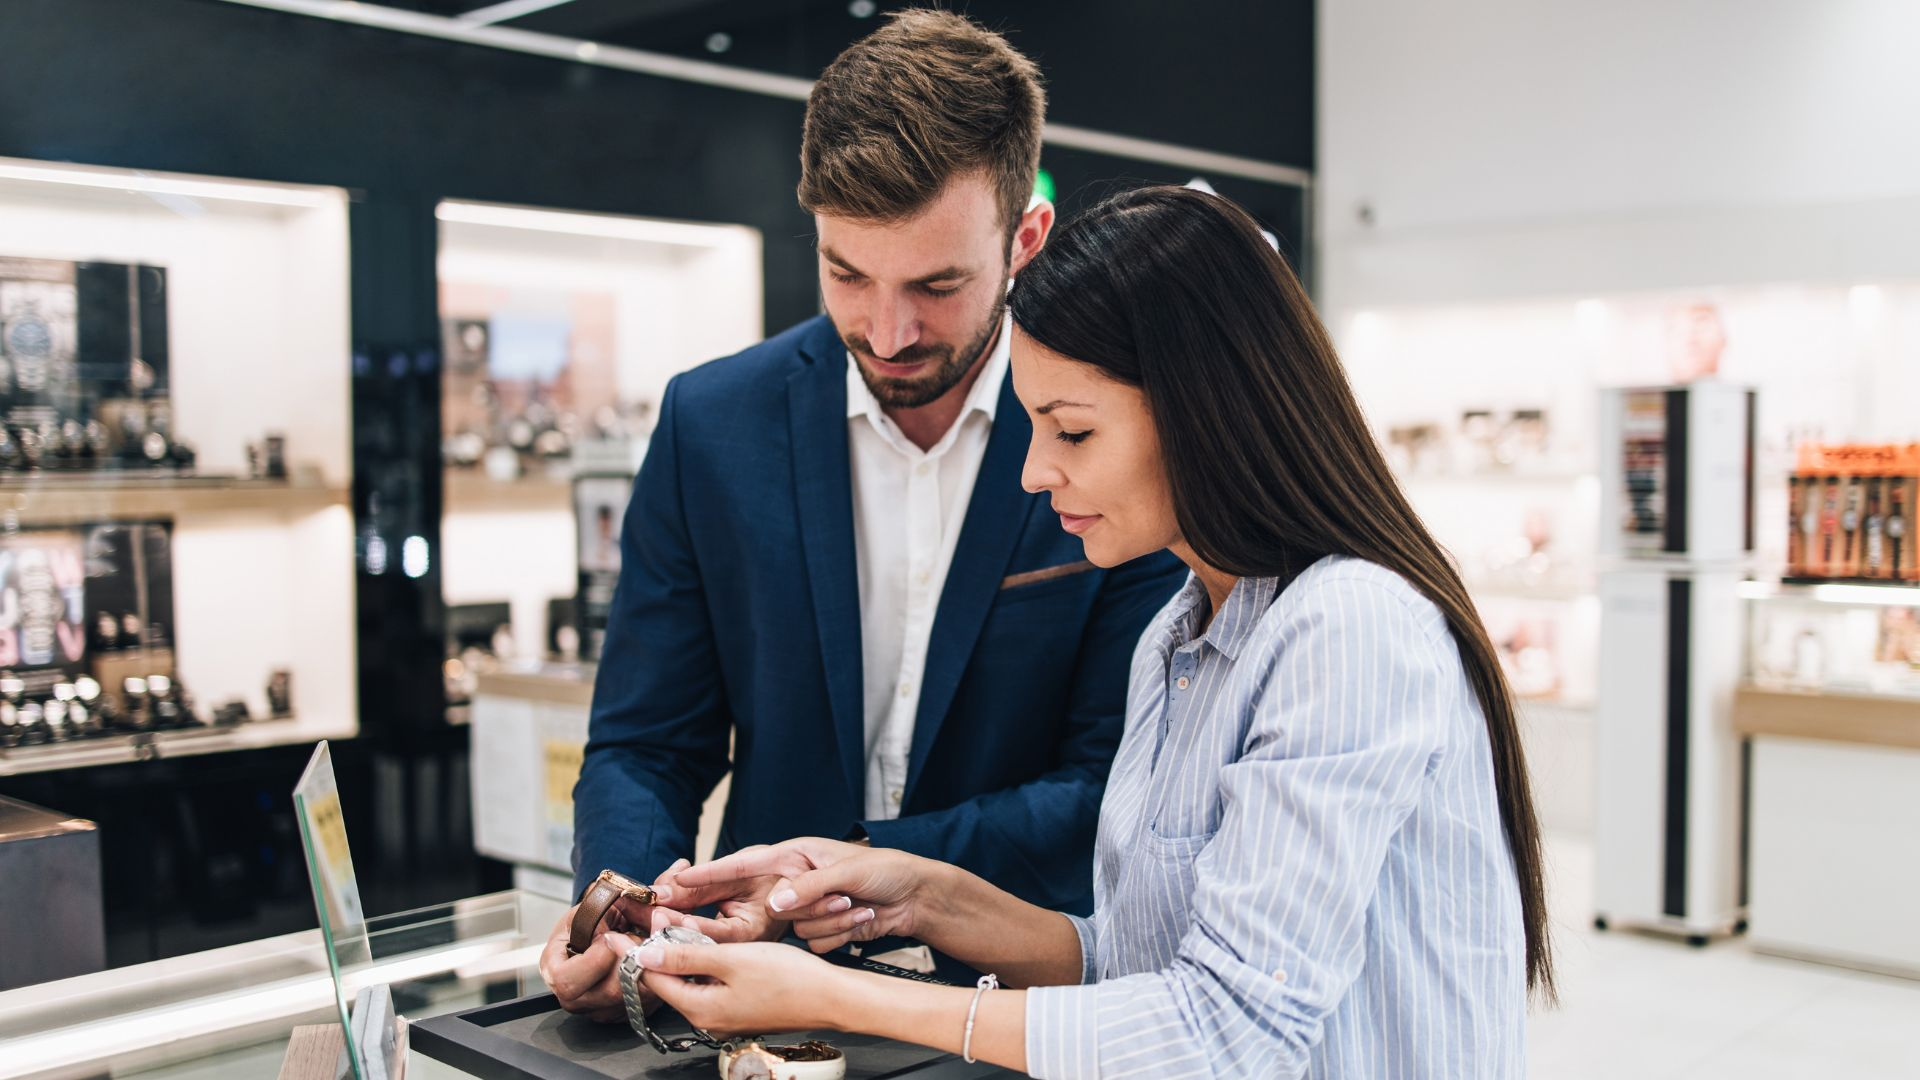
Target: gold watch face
<point>617,879</point>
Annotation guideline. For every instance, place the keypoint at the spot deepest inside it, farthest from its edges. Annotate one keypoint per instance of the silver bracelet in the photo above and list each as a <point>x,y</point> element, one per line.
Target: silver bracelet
<point>986,983</point>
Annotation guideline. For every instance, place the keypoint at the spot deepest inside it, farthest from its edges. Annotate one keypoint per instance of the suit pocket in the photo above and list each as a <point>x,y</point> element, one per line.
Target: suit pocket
<point>1039,585</point>
<point>1027,579</point>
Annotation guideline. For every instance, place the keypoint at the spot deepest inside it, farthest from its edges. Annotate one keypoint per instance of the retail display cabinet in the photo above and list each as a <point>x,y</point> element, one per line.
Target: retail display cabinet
<point>1676,477</point>
<point>560,331</point>
<point>176,540</point>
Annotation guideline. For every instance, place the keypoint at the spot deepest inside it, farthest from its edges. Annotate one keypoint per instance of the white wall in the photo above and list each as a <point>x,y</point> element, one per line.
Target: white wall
<point>1531,147</point>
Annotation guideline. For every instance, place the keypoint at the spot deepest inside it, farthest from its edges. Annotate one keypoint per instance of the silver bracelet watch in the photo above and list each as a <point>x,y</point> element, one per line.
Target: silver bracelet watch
<point>749,1060</point>
<point>636,1009</point>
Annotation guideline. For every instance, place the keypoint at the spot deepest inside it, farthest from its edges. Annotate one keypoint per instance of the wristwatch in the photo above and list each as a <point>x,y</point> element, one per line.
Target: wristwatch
<point>636,1008</point>
<point>599,897</point>
<point>805,1061</point>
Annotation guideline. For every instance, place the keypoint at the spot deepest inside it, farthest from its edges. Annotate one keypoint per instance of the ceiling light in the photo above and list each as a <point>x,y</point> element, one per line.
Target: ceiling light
<point>168,184</point>
<point>685,234</point>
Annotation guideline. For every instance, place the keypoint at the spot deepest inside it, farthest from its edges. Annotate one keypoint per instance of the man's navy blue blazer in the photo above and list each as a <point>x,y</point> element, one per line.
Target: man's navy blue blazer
<point>738,610</point>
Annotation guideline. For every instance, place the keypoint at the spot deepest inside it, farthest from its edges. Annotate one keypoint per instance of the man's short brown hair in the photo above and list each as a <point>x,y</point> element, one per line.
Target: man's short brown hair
<point>925,98</point>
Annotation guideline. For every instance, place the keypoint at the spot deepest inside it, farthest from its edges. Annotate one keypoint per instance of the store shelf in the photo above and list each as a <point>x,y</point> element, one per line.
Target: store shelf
<point>1498,480</point>
<point>1557,704</point>
<point>1864,718</point>
<point>472,491</point>
<point>154,745</point>
<point>1551,591</point>
<point>68,500</point>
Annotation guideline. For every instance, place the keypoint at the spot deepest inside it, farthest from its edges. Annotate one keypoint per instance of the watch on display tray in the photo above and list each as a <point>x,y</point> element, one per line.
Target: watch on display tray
<point>750,1059</point>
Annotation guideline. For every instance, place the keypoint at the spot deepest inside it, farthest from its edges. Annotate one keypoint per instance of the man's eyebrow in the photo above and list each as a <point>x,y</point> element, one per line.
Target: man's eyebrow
<point>1059,404</point>
<point>948,273</point>
<point>834,258</point>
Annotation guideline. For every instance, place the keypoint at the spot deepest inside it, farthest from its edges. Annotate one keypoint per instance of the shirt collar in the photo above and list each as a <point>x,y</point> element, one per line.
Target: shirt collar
<point>984,398</point>
<point>1234,623</point>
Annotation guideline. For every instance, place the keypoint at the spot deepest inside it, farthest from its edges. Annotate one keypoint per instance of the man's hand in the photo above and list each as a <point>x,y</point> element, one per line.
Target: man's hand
<point>588,984</point>
<point>740,902</point>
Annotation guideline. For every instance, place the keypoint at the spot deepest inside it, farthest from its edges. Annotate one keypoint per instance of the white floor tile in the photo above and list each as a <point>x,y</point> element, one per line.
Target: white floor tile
<point>1650,1008</point>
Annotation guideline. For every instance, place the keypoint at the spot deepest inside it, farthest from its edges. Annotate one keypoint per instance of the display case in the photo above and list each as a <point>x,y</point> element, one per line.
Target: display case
<point>176,539</point>
<point>229,1011</point>
<point>1841,639</point>
<point>560,332</point>
<point>1830,709</point>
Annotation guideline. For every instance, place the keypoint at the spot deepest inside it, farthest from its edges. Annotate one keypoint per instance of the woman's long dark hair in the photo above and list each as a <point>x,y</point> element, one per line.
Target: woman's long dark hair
<point>1266,451</point>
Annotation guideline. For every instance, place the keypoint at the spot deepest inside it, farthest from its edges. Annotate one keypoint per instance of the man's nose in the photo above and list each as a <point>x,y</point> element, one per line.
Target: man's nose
<point>895,327</point>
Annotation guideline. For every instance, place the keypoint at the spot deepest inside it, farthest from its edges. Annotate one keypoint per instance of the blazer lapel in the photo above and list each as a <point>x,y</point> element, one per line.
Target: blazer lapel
<point>995,517</point>
<point>823,492</point>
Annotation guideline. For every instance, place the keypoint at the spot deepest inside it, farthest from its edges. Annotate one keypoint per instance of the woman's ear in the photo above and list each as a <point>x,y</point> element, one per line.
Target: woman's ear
<point>1031,233</point>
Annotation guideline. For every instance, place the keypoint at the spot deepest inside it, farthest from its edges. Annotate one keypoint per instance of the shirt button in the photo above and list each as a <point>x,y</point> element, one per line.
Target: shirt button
<point>922,577</point>
<point>923,468</point>
<point>906,691</point>
<point>895,796</point>
<point>1183,682</point>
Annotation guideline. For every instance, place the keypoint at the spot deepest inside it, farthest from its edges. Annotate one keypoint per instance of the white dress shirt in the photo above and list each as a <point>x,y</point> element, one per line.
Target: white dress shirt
<point>908,506</point>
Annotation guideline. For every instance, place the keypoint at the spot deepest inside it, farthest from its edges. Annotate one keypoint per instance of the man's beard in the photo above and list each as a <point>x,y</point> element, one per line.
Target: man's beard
<point>948,365</point>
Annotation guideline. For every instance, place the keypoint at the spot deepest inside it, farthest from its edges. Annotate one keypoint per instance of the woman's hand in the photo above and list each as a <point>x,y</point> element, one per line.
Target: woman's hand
<point>741,904</point>
<point>832,892</point>
<point>759,988</point>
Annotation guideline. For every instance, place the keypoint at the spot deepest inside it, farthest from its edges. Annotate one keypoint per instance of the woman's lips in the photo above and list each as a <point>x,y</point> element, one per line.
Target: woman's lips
<point>1077,523</point>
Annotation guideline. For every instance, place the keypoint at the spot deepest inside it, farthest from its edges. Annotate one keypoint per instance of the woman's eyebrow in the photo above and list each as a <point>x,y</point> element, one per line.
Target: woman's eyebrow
<point>1059,404</point>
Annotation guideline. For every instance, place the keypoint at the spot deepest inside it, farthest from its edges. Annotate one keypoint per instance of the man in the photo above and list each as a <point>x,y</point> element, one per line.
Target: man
<point>828,554</point>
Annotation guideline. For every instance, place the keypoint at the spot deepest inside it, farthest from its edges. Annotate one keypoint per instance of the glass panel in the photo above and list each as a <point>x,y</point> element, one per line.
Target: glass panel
<point>372,1029</point>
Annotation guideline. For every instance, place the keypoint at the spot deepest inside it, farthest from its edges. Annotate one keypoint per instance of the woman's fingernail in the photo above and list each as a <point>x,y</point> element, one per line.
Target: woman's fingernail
<point>662,892</point>
<point>864,915</point>
<point>839,904</point>
<point>782,900</point>
<point>650,956</point>
<point>620,943</point>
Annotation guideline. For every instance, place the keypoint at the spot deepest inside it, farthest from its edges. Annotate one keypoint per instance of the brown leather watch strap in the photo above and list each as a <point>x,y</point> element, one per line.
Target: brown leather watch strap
<point>599,897</point>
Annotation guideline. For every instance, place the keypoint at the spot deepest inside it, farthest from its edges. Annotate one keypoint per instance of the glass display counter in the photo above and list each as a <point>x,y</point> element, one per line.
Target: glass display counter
<point>229,1012</point>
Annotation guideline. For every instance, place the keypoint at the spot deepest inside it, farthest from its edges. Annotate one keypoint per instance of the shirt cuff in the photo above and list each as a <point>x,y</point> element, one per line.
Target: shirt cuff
<point>1063,1029</point>
<point>1089,967</point>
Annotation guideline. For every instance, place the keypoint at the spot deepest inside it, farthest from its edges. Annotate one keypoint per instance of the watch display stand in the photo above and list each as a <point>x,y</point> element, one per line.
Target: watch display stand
<point>533,1038</point>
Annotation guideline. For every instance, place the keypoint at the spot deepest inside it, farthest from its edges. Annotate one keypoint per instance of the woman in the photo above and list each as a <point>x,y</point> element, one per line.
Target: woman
<point>1317,852</point>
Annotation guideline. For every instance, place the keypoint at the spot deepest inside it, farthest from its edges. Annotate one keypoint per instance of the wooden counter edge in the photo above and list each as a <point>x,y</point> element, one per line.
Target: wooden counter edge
<point>551,689</point>
<point>1861,719</point>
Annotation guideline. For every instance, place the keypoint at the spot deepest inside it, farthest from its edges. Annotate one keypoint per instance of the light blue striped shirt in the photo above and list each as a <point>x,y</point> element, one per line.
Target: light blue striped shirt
<point>1300,870</point>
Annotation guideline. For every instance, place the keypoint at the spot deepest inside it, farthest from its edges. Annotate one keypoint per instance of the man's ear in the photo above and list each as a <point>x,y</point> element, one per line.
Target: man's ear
<point>1030,235</point>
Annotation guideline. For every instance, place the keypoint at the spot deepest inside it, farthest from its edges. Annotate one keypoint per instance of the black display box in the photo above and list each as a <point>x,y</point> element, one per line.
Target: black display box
<point>532,1038</point>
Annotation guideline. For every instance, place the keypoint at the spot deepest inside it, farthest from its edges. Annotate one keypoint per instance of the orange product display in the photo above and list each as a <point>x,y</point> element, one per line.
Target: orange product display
<point>1851,512</point>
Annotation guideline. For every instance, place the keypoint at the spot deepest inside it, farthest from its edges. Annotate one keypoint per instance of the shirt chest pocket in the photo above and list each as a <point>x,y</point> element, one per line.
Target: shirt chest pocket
<point>1183,811</point>
<point>1184,805</point>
